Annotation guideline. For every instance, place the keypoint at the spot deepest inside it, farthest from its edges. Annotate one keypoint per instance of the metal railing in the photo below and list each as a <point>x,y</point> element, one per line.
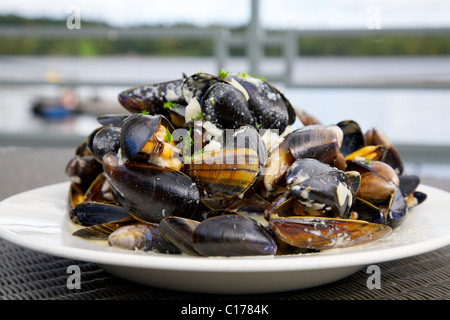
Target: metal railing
<point>254,40</point>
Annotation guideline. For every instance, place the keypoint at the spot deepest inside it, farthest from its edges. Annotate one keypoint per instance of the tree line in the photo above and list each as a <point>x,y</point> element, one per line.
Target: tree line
<point>310,46</point>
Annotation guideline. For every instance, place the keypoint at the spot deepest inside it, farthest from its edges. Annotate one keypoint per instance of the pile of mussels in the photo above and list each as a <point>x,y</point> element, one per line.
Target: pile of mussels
<point>223,165</point>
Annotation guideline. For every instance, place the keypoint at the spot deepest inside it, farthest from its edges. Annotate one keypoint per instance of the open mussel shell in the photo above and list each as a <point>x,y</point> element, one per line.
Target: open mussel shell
<point>82,170</point>
<point>223,174</point>
<point>326,233</point>
<point>367,211</point>
<point>416,198</point>
<point>76,195</point>
<point>232,235</point>
<point>137,130</point>
<point>269,107</point>
<point>92,213</point>
<point>408,183</point>
<point>102,231</point>
<point>368,153</point>
<point>151,97</point>
<point>226,106</point>
<point>397,209</point>
<point>142,236</point>
<point>99,191</point>
<point>378,180</point>
<point>328,194</point>
<point>106,139</point>
<point>252,206</point>
<point>278,162</point>
<point>306,118</point>
<point>229,172</point>
<point>319,142</point>
<point>353,138</point>
<point>150,192</point>
<point>178,231</point>
<point>376,136</point>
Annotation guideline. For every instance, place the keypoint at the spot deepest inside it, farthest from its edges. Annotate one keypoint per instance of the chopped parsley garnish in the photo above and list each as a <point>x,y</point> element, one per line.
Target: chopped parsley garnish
<point>223,74</point>
<point>199,116</point>
<point>169,105</point>
<point>196,153</point>
<point>188,142</point>
<point>256,77</point>
<point>145,112</point>
<point>168,137</point>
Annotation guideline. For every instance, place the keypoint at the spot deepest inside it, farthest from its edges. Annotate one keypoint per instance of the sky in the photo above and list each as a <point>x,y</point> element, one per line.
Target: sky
<point>274,14</point>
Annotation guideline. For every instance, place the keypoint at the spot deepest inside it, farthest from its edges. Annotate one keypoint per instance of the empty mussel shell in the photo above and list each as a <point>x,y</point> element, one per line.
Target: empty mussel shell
<point>102,231</point>
<point>326,233</point>
<point>367,211</point>
<point>82,171</point>
<point>178,231</point>
<point>397,209</point>
<point>353,138</point>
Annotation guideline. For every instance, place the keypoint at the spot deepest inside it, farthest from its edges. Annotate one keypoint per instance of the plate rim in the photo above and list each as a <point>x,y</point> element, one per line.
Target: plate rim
<point>315,261</point>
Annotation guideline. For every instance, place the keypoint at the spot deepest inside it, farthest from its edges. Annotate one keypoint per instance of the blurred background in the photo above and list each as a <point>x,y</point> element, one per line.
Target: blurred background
<point>382,63</point>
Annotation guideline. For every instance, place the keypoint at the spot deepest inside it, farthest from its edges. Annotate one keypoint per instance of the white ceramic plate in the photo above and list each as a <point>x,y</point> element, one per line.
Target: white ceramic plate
<point>38,220</point>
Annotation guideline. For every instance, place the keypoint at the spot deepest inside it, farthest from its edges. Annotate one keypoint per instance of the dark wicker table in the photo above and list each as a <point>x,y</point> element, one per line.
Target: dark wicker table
<point>30,275</point>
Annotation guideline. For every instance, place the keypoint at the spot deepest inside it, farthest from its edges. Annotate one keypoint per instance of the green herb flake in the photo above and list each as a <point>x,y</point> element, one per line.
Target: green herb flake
<point>199,116</point>
<point>223,74</point>
<point>258,126</point>
<point>168,137</point>
<point>168,105</point>
<point>196,153</point>
<point>144,112</point>
<point>187,141</point>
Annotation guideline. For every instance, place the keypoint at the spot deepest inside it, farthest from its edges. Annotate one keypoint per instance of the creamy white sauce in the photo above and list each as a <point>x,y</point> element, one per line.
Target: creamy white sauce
<point>193,109</point>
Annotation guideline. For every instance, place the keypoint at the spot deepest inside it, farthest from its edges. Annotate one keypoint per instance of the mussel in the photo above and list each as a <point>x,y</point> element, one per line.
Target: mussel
<point>150,192</point>
<point>142,236</point>
<point>152,137</point>
<point>228,173</point>
<point>232,235</point>
<point>326,233</point>
<point>223,165</point>
<point>151,97</point>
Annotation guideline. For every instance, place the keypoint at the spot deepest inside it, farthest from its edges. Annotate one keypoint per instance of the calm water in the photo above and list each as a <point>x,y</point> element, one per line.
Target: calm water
<point>412,116</point>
